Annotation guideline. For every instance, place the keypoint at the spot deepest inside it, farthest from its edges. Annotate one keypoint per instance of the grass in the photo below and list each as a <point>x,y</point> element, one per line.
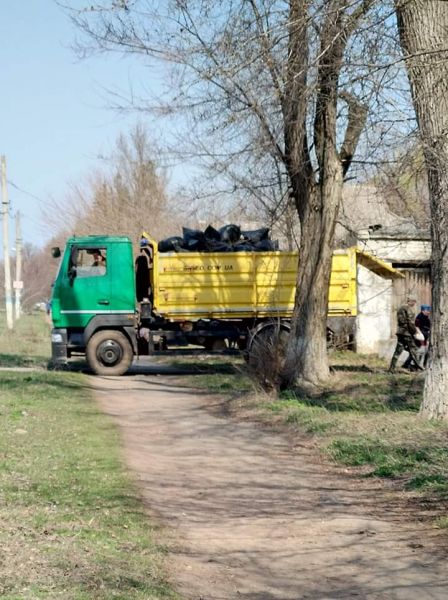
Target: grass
<point>218,374</point>
<point>72,524</point>
<point>370,419</point>
<point>364,418</point>
<point>28,344</point>
<point>425,466</point>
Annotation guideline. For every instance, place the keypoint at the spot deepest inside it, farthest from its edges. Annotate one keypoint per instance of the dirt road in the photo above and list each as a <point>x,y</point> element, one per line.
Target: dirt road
<point>253,517</point>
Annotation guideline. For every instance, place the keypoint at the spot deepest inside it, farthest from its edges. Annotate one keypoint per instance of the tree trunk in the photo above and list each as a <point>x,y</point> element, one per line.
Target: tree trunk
<point>307,354</point>
<point>317,202</point>
<point>423,27</point>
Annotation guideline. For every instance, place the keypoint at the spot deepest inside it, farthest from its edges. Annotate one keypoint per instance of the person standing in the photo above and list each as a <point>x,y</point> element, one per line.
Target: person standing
<point>406,330</point>
<point>423,325</point>
<point>423,322</point>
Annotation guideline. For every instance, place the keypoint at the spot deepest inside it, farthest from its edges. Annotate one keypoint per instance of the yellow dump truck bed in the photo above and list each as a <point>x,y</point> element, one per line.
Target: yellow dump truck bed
<point>195,285</point>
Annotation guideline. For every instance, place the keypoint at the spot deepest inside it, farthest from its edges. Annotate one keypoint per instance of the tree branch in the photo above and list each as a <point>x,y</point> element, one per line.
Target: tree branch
<point>357,115</point>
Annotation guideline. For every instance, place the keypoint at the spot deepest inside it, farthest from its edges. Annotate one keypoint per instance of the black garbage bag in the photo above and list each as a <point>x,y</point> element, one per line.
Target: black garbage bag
<point>257,235</point>
<point>230,233</point>
<point>266,246</point>
<point>213,246</point>
<point>212,234</point>
<point>218,246</point>
<point>243,247</point>
<point>194,239</point>
<point>171,244</point>
<point>229,238</point>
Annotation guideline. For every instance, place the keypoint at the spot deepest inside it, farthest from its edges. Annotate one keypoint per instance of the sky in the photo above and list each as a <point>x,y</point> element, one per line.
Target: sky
<point>55,109</point>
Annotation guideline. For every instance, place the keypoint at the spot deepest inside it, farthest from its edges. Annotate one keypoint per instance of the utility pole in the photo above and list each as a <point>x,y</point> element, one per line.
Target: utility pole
<point>18,283</point>
<point>5,214</point>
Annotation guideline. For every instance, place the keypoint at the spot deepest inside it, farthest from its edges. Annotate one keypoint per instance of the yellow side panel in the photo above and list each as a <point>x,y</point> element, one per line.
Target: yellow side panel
<point>342,297</point>
<point>197,285</point>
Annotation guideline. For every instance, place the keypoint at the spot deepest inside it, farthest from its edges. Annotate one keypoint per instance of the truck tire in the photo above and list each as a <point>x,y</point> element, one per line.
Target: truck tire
<point>109,352</point>
<point>268,333</point>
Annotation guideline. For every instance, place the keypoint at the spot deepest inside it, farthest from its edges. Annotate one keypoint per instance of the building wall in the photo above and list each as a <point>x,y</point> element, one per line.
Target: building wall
<point>412,257</point>
<point>397,250</point>
<point>375,309</point>
<point>417,283</point>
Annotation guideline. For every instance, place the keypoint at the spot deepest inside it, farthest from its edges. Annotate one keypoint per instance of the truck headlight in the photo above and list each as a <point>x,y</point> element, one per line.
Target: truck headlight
<point>56,338</point>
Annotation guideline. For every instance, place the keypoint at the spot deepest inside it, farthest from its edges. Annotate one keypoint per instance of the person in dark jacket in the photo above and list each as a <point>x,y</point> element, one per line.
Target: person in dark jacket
<point>406,331</point>
<point>423,324</point>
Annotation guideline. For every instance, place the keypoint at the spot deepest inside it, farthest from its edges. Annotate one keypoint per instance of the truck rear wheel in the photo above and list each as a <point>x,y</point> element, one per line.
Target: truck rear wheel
<point>109,352</point>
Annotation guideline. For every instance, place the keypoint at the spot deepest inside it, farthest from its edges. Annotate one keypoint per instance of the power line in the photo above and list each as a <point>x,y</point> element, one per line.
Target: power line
<point>37,222</point>
<point>19,189</point>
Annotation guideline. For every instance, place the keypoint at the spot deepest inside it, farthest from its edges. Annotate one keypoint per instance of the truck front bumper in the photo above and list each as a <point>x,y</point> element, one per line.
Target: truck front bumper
<point>58,347</point>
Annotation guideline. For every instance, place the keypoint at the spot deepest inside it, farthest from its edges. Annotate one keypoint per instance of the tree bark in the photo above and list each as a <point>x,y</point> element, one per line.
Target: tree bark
<point>317,201</point>
<point>307,351</point>
<point>423,28</point>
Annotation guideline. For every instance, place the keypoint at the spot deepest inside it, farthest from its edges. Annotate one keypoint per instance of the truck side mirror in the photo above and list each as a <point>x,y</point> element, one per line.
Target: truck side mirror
<point>56,252</point>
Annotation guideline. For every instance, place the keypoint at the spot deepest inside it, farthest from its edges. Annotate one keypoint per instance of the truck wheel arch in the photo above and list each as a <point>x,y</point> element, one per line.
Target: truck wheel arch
<point>112,322</point>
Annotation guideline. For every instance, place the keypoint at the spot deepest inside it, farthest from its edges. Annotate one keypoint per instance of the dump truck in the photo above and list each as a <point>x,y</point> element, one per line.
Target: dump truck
<point>111,306</point>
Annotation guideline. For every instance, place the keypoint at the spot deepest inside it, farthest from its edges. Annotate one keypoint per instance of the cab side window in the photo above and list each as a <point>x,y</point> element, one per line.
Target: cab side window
<point>91,262</point>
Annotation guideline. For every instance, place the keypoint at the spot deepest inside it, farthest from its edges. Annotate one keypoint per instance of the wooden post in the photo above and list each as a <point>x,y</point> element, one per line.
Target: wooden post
<point>5,215</point>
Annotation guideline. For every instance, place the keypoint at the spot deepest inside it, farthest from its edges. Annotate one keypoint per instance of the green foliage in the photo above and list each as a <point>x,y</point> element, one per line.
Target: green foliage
<point>436,480</point>
<point>369,420</point>
<point>221,383</point>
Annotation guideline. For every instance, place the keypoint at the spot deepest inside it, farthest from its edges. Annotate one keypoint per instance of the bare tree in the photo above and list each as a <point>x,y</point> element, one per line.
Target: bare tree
<point>317,191</point>
<point>274,91</point>
<point>38,272</point>
<point>127,197</point>
<point>423,28</point>
<point>403,183</point>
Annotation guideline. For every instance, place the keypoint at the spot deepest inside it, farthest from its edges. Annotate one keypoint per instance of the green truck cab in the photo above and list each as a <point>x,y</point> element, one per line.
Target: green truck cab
<point>93,303</point>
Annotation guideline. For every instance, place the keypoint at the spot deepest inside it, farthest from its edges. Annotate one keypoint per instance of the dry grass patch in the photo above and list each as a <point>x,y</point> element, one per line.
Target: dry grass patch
<point>28,344</point>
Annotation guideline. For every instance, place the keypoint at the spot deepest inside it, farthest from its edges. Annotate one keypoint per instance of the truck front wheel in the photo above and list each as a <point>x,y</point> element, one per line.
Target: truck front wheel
<point>109,352</point>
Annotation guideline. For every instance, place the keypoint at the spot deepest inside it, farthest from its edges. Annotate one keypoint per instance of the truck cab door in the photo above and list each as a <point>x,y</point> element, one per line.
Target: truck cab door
<point>88,288</point>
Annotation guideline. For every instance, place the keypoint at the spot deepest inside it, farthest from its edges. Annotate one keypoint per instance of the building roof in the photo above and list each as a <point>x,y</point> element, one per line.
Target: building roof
<point>378,266</point>
<point>365,212</point>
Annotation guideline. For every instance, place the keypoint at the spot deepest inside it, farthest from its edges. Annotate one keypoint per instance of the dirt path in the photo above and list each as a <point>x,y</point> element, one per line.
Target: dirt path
<point>253,517</point>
